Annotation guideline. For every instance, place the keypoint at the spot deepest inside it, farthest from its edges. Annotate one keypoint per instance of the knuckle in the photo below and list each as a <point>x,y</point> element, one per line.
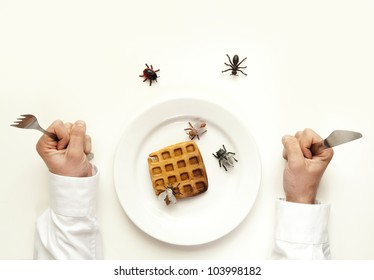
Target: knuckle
<point>309,132</point>
<point>299,134</point>
<point>55,125</point>
<point>290,140</point>
<point>68,125</point>
<point>58,123</point>
<point>79,128</point>
<point>78,131</point>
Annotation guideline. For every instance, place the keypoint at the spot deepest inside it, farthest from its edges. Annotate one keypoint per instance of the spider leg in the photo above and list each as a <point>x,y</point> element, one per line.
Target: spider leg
<point>141,75</point>
<point>197,137</point>
<point>224,148</point>
<point>215,156</point>
<point>241,61</point>
<point>188,128</point>
<point>233,157</point>
<point>224,167</point>
<point>145,80</point>
<point>230,153</point>
<point>147,65</point>
<point>241,67</point>
<point>157,71</point>
<point>226,70</point>
<point>150,82</point>
<point>229,59</point>
<point>190,124</point>
<point>151,67</point>
<point>242,72</point>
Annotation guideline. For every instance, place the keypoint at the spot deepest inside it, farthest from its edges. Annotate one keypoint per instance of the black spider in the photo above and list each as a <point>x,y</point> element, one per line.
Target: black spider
<point>234,65</point>
<point>225,157</point>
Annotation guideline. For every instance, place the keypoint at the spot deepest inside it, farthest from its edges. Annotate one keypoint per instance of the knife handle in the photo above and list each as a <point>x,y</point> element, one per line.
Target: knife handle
<point>317,148</point>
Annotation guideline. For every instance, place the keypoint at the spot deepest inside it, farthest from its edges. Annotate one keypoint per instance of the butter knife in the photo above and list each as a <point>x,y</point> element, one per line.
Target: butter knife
<point>336,138</point>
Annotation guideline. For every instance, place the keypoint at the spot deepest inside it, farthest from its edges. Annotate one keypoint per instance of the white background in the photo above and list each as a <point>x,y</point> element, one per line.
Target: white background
<point>310,64</point>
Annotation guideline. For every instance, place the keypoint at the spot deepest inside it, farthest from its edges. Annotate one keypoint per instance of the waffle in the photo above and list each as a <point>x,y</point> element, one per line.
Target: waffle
<point>181,166</point>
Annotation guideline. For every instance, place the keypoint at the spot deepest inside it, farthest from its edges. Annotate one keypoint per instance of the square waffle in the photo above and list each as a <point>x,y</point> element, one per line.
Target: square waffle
<point>180,164</point>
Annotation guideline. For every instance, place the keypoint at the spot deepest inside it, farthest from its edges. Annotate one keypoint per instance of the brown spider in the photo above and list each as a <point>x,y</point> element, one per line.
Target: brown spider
<point>168,195</point>
<point>196,130</point>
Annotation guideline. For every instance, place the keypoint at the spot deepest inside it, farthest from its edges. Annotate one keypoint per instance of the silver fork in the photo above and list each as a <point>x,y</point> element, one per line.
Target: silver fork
<point>31,122</point>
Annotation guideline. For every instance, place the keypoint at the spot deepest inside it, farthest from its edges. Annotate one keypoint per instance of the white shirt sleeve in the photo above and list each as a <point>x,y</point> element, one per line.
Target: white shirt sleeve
<point>301,231</point>
<point>69,228</point>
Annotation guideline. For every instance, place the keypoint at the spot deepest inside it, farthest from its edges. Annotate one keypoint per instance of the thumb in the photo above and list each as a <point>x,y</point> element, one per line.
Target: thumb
<point>77,138</point>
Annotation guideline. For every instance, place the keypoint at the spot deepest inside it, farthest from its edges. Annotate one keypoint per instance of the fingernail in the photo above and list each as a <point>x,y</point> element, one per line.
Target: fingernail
<point>80,123</point>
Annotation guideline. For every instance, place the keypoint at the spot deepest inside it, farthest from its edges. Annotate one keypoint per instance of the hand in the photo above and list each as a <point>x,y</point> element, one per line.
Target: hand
<point>67,156</point>
<point>304,170</point>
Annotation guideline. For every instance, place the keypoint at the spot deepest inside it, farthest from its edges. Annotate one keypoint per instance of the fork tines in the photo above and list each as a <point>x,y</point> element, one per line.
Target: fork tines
<point>23,121</point>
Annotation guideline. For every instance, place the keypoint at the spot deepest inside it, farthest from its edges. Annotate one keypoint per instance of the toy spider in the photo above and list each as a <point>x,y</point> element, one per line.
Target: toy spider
<point>196,130</point>
<point>168,195</point>
<point>234,65</point>
<point>150,74</point>
<point>225,157</point>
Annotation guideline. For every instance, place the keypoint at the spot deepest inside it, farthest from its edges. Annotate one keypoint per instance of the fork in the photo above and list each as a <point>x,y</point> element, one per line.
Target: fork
<point>31,122</point>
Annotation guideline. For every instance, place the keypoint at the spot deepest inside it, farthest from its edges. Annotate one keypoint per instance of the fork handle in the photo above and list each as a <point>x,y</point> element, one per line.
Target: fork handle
<point>50,134</point>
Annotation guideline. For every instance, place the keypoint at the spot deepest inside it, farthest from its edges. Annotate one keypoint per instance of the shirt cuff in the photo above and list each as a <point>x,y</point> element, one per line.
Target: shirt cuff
<point>74,196</point>
<point>301,223</point>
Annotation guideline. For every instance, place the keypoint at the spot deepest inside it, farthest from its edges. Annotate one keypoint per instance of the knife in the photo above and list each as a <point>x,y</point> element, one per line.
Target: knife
<point>336,138</point>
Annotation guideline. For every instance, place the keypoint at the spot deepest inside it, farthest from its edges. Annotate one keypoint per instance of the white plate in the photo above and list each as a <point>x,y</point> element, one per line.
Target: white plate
<point>230,195</point>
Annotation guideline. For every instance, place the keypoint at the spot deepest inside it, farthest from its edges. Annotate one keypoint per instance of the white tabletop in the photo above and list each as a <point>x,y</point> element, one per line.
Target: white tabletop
<point>309,64</point>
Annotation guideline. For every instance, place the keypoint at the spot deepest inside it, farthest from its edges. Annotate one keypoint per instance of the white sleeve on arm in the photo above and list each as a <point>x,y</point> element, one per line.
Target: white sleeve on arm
<point>69,228</point>
<point>301,231</point>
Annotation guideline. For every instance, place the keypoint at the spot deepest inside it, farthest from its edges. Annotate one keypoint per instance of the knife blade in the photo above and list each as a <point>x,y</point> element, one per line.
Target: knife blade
<point>337,137</point>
